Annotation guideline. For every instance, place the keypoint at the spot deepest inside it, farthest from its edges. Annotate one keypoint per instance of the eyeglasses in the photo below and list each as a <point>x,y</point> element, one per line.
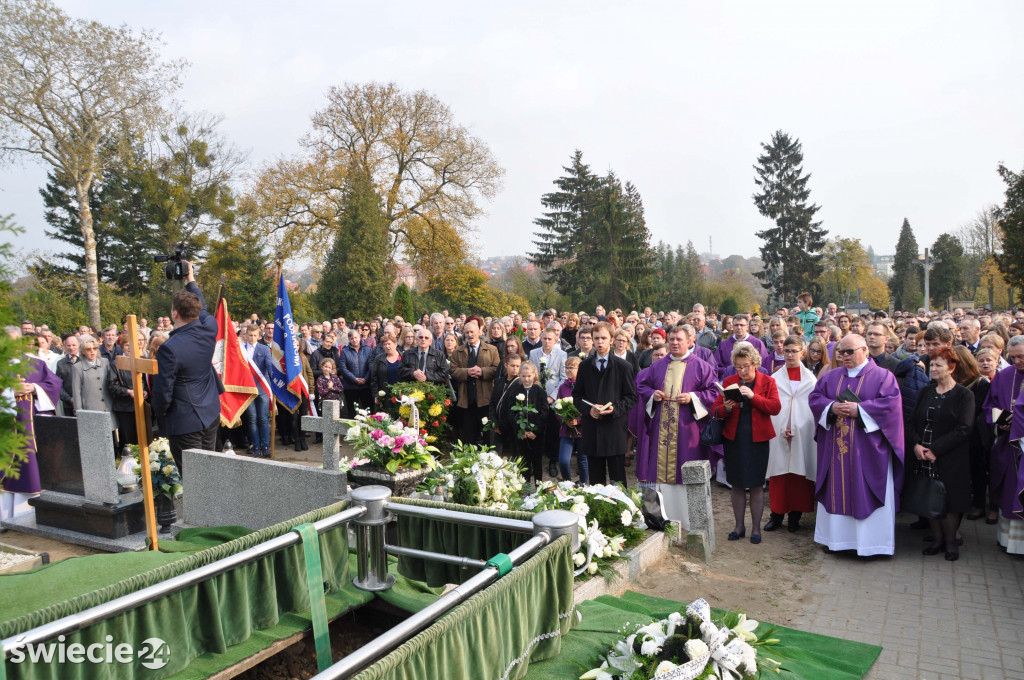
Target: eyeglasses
<point>792,351</point>
<point>848,352</point>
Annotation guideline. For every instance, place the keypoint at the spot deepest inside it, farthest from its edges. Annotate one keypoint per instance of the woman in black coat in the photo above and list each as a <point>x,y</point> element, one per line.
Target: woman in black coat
<point>969,375</point>
<point>939,431</point>
<point>119,383</point>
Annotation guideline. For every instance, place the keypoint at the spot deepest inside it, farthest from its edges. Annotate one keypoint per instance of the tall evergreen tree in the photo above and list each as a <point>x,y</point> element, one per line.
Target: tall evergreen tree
<point>356,279</point>
<point>906,282</point>
<point>566,228</point>
<point>251,288</point>
<point>1011,224</point>
<point>61,212</point>
<point>791,250</point>
<point>947,277</point>
<point>401,303</point>
<point>593,243</point>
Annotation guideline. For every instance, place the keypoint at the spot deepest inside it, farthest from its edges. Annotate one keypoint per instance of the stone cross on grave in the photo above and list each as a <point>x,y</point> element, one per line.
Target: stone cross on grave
<point>137,365</point>
<point>332,427</point>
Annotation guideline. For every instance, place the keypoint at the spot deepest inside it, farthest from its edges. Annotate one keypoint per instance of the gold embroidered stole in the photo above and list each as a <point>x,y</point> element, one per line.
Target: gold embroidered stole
<point>842,447</point>
<point>668,432</point>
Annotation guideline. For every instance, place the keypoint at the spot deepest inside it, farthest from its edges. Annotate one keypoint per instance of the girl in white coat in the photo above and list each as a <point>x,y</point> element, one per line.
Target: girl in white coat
<point>793,455</point>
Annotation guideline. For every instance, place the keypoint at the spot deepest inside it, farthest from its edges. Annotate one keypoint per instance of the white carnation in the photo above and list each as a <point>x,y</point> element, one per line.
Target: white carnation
<point>650,647</point>
<point>154,466</point>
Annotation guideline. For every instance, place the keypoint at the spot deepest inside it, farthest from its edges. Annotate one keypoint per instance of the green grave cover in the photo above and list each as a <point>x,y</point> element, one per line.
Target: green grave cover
<point>804,656</point>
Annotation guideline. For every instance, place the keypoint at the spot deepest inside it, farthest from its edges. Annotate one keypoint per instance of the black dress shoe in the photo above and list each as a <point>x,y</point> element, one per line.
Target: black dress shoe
<point>952,556</point>
<point>552,470</point>
<point>794,526</point>
<point>919,524</point>
<point>774,523</point>
<point>932,550</point>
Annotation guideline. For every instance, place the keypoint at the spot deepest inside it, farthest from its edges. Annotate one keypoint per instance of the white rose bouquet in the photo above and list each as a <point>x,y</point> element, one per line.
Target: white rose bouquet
<point>609,518</point>
<point>478,477</point>
<point>163,470</point>
<point>691,645</point>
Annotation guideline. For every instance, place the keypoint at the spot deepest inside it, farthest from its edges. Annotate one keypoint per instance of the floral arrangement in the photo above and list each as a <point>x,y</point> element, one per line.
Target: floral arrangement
<point>688,647</point>
<point>477,476</point>
<point>388,443</point>
<point>609,517</point>
<point>523,409</point>
<point>432,403</point>
<point>349,463</point>
<point>163,471</point>
<point>565,408</point>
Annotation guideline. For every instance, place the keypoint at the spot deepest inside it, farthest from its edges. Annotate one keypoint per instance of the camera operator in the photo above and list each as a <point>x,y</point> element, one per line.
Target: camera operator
<point>188,392</point>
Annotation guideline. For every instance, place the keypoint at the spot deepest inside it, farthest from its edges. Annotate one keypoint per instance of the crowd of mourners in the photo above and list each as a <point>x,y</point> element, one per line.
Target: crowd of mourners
<point>830,412</point>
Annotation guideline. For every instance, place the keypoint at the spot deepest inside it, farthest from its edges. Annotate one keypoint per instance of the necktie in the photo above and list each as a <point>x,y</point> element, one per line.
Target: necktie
<point>471,383</point>
<point>600,365</point>
<point>423,361</point>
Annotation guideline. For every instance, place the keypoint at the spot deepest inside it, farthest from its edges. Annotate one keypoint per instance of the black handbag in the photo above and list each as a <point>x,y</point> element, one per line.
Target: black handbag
<point>924,494</point>
<point>711,433</point>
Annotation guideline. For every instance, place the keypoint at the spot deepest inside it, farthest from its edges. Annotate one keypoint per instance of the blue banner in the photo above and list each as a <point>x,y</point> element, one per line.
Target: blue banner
<point>286,376</point>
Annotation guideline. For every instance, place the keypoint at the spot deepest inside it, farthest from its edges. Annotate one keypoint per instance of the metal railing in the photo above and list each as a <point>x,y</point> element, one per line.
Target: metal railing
<point>546,527</point>
<point>120,605</point>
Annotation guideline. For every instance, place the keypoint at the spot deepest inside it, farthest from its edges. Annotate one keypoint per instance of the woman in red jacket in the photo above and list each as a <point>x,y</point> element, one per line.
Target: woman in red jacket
<point>746,431</point>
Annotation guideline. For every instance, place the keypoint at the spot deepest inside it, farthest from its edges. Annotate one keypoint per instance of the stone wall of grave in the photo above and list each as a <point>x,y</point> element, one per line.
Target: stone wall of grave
<point>224,489</point>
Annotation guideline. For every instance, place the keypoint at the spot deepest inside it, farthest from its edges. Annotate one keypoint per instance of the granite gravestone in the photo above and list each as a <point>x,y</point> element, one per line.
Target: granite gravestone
<point>333,428</point>
<point>700,540</point>
<point>225,489</point>
<point>85,505</point>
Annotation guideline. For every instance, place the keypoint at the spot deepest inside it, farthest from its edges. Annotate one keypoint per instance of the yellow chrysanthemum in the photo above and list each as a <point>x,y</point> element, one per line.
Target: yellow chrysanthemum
<point>430,439</point>
<point>404,411</point>
<point>435,410</point>
<point>417,395</point>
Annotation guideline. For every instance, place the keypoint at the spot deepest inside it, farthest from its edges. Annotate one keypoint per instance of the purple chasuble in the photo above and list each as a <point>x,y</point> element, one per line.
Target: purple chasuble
<point>698,378</point>
<point>723,355</point>
<point>1004,478</point>
<point>35,372</point>
<point>853,464</point>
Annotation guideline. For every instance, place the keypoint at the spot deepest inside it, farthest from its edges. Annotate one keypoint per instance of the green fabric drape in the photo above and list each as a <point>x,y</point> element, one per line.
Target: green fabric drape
<point>804,656</point>
<point>230,606</point>
<point>517,620</point>
<point>452,539</point>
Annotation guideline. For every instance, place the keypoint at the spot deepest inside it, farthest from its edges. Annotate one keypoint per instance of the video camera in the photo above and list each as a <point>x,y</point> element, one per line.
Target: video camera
<point>177,267</point>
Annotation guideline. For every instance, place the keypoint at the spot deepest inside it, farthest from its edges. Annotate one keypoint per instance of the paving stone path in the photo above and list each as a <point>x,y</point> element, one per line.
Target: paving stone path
<point>935,620</point>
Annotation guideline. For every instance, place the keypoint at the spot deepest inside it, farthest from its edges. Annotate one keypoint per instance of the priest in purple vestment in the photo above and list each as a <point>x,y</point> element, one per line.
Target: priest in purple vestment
<point>37,395</point>
<point>675,393</point>
<point>860,453</point>
<point>1006,480</point>
<point>723,355</point>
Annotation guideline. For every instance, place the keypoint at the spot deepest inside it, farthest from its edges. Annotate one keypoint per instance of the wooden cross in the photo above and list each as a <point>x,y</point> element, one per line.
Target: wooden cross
<point>137,365</point>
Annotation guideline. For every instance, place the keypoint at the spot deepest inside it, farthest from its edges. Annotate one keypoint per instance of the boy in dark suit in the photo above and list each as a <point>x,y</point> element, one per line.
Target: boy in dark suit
<point>604,379</point>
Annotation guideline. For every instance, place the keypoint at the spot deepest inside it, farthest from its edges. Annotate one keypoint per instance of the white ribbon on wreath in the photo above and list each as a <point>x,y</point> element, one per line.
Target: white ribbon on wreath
<point>414,412</point>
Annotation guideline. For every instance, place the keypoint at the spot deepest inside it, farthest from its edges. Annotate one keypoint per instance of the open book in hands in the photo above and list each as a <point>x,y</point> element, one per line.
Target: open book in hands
<point>602,408</point>
<point>732,392</point>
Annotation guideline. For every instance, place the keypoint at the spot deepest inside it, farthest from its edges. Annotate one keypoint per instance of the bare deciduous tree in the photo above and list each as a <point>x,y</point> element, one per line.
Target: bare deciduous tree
<point>66,85</point>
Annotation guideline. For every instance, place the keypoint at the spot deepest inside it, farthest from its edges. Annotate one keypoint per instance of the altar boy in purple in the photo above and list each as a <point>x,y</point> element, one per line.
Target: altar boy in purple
<point>37,394</point>
<point>723,355</point>
<point>1005,479</point>
<point>676,392</point>
<point>860,454</point>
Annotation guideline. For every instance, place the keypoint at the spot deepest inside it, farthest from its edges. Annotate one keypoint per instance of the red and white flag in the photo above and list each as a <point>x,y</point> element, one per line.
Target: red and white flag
<point>234,369</point>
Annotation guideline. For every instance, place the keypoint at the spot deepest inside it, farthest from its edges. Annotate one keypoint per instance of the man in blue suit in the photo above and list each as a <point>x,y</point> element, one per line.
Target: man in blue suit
<point>189,391</point>
<point>257,416</point>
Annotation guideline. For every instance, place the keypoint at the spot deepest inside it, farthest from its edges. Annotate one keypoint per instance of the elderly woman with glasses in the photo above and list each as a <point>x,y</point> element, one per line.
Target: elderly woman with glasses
<point>750,400</point>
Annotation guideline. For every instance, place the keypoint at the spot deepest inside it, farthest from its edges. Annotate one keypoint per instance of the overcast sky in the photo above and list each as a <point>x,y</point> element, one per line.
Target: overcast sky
<point>904,109</point>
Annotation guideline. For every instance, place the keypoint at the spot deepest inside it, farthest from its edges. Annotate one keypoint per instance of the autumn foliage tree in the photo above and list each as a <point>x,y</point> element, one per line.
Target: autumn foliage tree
<point>431,173</point>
